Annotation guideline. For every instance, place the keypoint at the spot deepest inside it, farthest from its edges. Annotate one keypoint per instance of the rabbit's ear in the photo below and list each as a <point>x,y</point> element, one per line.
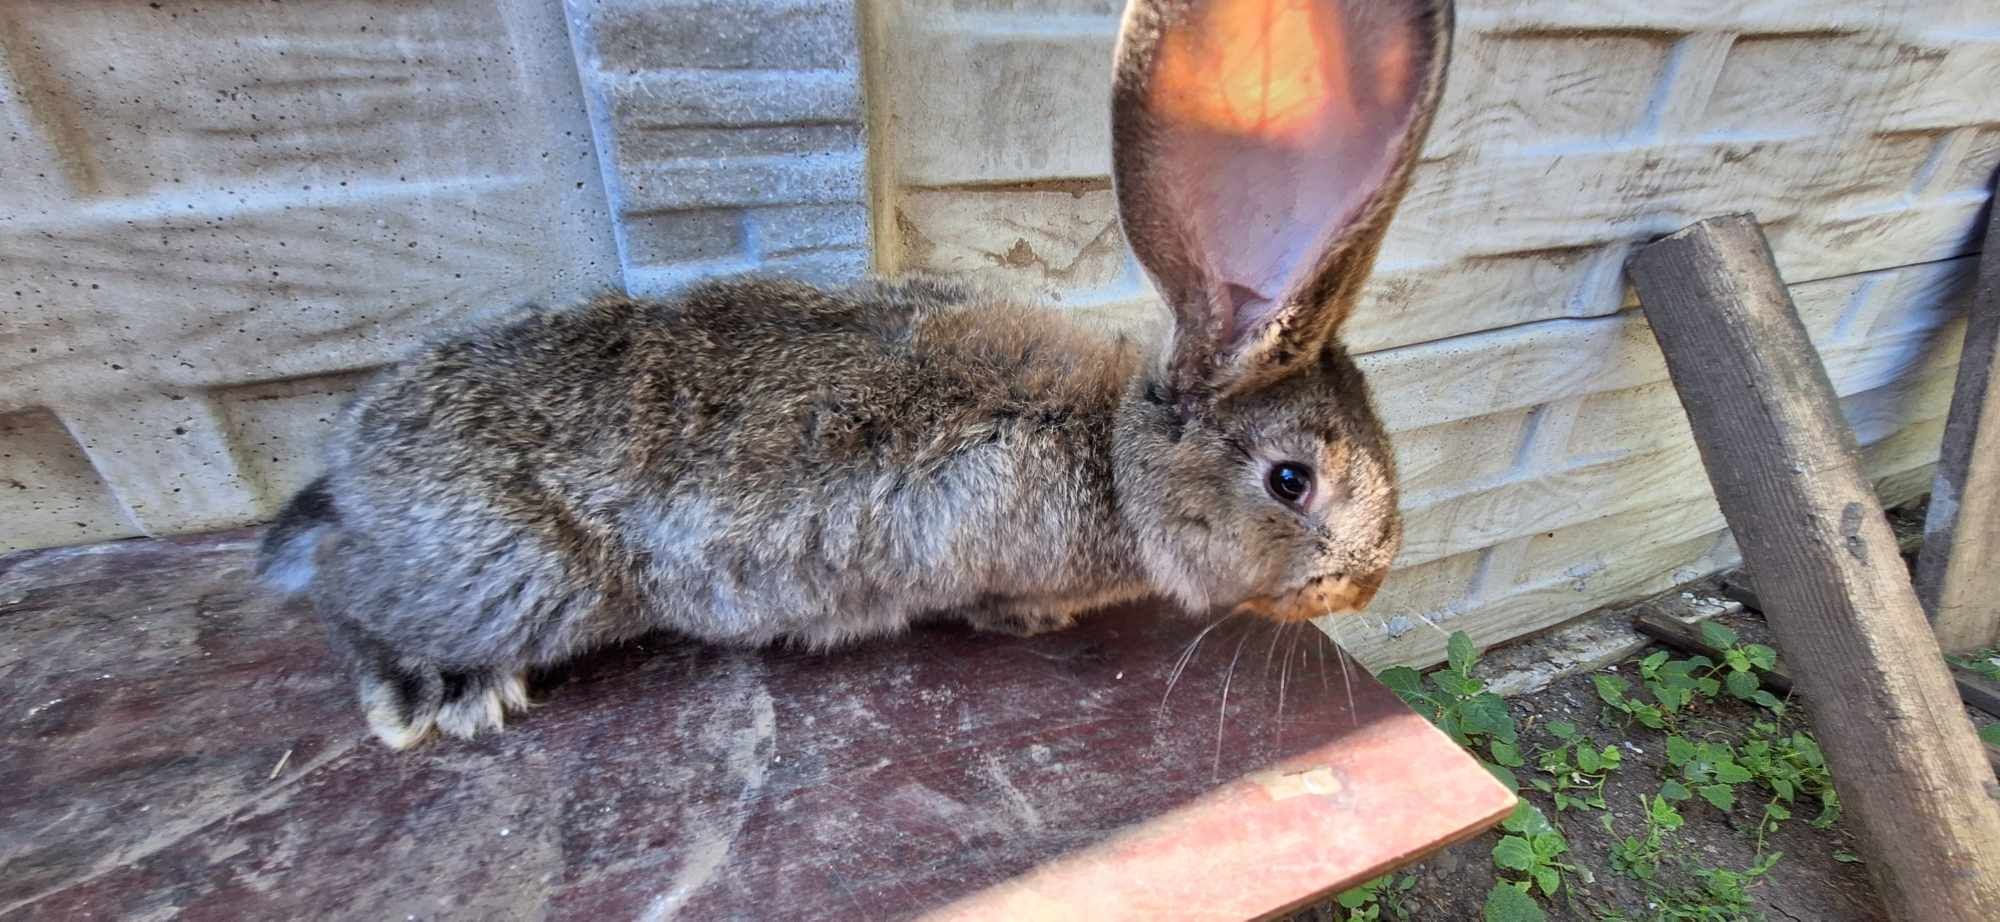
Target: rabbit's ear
<point>1259,149</point>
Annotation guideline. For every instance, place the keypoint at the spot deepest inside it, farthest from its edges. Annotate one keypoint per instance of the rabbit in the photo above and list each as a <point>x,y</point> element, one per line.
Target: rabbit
<point>759,461</point>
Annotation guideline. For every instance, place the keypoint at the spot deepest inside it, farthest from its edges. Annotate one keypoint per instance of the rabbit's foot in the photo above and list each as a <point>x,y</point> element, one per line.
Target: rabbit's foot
<point>480,700</point>
<point>404,700</point>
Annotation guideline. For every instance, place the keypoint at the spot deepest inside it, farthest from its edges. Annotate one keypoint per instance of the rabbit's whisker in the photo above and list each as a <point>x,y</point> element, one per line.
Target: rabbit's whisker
<point>1221,713</point>
<point>1187,655</point>
<point>1319,643</point>
<point>1340,653</point>
<point>1284,671</point>
<point>1276,633</point>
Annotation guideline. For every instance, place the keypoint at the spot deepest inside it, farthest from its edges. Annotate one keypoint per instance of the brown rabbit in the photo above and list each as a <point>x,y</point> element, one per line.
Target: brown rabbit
<point>760,461</point>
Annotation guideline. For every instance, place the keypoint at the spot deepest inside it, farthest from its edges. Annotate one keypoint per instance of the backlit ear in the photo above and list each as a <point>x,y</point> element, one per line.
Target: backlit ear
<point>1259,149</point>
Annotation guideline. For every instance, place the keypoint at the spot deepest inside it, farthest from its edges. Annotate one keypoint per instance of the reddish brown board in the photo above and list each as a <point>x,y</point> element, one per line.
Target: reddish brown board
<point>150,695</point>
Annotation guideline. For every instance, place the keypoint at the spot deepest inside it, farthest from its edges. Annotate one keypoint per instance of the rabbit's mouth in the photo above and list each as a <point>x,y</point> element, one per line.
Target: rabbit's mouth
<point>1324,595</point>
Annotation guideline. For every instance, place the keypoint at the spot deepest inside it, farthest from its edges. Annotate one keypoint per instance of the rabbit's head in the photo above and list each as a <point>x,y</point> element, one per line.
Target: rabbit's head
<point>1260,148</point>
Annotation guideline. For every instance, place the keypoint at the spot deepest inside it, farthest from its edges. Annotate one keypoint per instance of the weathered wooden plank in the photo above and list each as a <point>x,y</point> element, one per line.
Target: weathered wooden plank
<point>1789,481</point>
<point>1956,576</point>
<point>176,740</point>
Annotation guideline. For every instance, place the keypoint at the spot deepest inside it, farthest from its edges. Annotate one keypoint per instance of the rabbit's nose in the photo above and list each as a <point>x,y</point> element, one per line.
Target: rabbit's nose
<point>1326,595</point>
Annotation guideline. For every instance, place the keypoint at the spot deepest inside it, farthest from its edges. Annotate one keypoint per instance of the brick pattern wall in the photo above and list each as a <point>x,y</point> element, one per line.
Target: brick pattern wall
<point>1548,467</point>
<point>731,133</point>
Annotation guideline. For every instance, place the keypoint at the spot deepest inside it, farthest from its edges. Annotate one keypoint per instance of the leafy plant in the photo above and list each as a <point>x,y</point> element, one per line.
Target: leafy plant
<point>1531,847</point>
<point>1673,683</point>
<point>1461,706</point>
<point>1381,898</point>
<point>1984,663</point>
<point>1789,766</point>
<point>1614,692</point>
<point>1711,769</point>
<point>1578,768</point>
<point>1639,856</point>
<point>1724,895</point>
<point>1510,902</point>
<point>1740,664</point>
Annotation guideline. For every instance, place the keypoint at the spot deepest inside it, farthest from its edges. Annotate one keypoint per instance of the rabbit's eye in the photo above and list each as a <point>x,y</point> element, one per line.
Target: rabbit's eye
<point>1290,482</point>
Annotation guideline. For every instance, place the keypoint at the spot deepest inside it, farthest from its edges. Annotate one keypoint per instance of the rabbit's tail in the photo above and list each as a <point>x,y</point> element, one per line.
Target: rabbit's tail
<point>287,559</point>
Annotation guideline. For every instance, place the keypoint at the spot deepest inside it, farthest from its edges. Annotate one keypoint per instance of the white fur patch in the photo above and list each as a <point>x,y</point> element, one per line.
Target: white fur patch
<point>291,573</point>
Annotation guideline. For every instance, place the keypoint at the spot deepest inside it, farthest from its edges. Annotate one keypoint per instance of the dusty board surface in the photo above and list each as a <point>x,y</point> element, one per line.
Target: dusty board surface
<point>151,695</point>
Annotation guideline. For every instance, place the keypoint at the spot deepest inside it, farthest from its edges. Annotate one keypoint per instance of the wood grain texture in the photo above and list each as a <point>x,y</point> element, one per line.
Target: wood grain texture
<point>1956,576</point>
<point>1787,475</point>
<point>176,745</point>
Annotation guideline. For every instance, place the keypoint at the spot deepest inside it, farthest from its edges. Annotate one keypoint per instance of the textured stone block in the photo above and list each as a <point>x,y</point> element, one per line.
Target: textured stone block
<point>49,493</point>
<point>658,238</point>
<point>635,35</point>
<point>227,194</point>
<point>170,99</point>
<point>728,98</point>
<point>1419,301</point>
<point>1773,85</point>
<point>984,103</point>
<point>277,431</point>
<point>788,230</point>
<point>1581,99</point>
<point>1034,238</point>
<point>168,459</point>
<point>807,178</point>
<point>734,132</point>
<point>639,143</point>
<point>193,293</point>
<point>1451,458</point>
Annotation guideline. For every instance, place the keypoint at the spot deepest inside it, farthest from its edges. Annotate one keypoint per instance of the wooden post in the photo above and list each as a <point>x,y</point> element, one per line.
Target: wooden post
<point>1903,754</point>
<point>1957,576</point>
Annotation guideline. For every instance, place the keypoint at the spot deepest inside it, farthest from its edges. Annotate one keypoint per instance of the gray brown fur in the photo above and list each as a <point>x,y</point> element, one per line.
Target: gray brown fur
<point>762,461</point>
